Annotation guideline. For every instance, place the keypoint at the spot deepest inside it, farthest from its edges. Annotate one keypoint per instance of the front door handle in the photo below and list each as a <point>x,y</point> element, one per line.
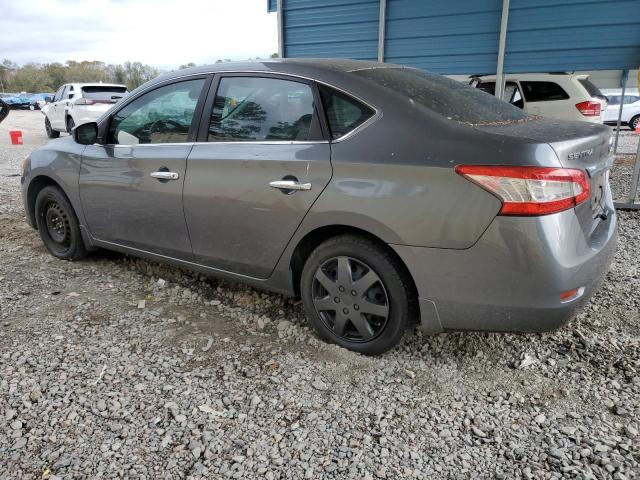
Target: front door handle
<point>161,175</point>
<point>290,185</point>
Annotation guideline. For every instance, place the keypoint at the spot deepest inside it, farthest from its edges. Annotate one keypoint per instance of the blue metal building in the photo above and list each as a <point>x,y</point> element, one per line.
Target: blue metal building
<point>463,36</point>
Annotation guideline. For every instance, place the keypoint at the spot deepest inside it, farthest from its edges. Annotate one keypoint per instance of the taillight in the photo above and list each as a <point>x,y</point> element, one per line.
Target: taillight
<point>84,101</point>
<point>589,108</point>
<point>530,191</point>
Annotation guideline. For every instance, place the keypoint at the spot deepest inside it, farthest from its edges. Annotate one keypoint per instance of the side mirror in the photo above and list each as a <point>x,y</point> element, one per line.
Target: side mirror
<point>48,99</point>
<point>86,134</point>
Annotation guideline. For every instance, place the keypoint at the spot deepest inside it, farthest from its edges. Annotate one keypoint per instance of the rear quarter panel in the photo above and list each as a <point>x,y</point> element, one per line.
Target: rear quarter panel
<point>396,179</point>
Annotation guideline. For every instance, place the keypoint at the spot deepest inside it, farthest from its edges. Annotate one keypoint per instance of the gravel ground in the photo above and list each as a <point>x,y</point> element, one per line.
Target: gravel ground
<point>118,367</point>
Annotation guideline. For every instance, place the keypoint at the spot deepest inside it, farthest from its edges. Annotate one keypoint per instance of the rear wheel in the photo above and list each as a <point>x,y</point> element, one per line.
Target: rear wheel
<point>70,125</point>
<point>356,294</point>
<point>58,225</point>
<point>634,122</point>
<point>51,133</point>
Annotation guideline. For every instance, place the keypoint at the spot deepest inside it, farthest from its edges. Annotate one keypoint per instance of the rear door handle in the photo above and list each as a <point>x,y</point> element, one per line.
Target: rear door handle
<point>160,175</point>
<point>289,185</point>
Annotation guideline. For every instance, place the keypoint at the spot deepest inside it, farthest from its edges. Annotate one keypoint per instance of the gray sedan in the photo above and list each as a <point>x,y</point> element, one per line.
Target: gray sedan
<point>379,194</point>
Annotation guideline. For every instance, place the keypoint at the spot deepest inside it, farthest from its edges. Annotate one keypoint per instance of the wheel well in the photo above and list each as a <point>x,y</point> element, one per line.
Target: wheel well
<point>35,186</point>
<point>314,238</point>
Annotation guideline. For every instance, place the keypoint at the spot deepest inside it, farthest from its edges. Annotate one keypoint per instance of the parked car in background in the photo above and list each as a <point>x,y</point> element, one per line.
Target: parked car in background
<point>377,193</point>
<point>39,100</point>
<point>17,100</point>
<point>4,109</point>
<point>630,109</point>
<point>553,95</point>
<point>78,103</point>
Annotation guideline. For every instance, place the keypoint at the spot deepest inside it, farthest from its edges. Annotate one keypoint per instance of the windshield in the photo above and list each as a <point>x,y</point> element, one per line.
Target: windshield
<point>453,100</point>
<point>104,93</point>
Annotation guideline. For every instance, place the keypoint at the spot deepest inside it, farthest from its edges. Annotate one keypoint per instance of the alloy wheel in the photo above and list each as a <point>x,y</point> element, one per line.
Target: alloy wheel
<point>350,299</point>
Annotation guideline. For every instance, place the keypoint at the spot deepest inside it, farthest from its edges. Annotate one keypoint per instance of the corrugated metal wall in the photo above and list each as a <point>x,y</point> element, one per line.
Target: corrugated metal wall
<point>548,35</point>
<point>331,28</point>
<point>461,36</point>
<point>457,36</point>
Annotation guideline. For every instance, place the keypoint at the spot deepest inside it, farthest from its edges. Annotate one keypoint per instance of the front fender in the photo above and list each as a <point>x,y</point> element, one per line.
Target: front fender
<point>58,161</point>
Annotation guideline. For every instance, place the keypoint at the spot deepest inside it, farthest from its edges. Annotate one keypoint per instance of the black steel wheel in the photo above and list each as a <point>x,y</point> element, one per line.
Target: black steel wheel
<point>51,133</point>
<point>357,294</point>
<point>58,225</point>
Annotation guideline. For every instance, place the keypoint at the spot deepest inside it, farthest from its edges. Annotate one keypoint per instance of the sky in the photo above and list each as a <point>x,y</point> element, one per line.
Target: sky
<point>161,33</point>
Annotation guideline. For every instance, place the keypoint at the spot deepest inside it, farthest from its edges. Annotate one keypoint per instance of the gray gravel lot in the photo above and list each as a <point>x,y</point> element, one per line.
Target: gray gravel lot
<point>119,367</point>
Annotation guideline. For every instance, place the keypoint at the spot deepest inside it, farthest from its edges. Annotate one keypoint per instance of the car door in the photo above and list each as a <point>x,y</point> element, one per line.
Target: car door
<point>52,112</point>
<point>260,162</point>
<point>131,186</point>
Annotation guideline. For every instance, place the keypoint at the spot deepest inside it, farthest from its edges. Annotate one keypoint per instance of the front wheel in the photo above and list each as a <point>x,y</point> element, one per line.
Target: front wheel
<point>58,225</point>
<point>51,133</point>
<point>357,295</point>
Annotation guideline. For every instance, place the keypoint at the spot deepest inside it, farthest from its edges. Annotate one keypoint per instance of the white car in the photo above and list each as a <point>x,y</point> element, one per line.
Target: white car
<point>555,95</point>
<point>78,103</point>
<point>630,109</point>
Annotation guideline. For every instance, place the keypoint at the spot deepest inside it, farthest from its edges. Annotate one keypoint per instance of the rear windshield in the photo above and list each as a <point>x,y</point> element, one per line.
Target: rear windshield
<point>449,98</point>
<point>105,94</point>
<point>590,88</point>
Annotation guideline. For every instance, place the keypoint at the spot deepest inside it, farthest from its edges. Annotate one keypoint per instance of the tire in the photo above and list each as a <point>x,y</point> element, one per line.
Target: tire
<point>32,107</point>
<point>51,133</point>
<point>634,122</point>
<point>70,125</point>
<point>350,314</point>
<point>58,225</point>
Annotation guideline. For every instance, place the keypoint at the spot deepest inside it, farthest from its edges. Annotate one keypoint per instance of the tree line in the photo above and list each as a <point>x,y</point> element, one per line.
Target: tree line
<point>48,77</point>
<point>37,78</point>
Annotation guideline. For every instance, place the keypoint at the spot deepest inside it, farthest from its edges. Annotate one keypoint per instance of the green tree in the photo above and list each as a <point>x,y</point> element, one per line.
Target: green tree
<point>186,65</point>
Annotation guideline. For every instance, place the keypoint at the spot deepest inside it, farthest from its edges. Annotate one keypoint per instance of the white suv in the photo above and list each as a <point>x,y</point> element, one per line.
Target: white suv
<point>554,95</point>
<point>77,103</point>
<point>630,109</point>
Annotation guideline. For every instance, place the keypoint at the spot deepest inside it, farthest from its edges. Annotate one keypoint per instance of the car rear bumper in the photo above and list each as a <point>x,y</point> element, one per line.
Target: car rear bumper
<point>512,278</point>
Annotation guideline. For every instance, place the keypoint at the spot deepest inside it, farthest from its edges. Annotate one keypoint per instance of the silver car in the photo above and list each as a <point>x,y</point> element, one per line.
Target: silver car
<point>379,194</point>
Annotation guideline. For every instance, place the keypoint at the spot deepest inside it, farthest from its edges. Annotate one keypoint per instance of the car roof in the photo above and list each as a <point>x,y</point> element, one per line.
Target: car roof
<point>314,68</point>
<point>96,84</point>
<point>535,76</point>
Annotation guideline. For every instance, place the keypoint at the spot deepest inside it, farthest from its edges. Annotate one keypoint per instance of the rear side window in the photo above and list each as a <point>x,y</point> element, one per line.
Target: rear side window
<point>263,109</point>
<point>590,87</point>
<point>543,91</point>
<point>344,113</point>
<point>615,100</point>
<point>103,94</point>
<point>449,98</point>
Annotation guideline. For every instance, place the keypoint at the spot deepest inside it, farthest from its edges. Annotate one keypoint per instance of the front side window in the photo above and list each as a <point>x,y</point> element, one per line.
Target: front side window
<point>163,115</point>
<point>262,109</point>
<point>543,91</point>
<point>344,113</point>
<point>58,95</point>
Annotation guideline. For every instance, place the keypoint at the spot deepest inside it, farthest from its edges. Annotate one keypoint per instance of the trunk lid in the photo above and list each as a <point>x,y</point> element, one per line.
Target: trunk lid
<point>578,145</point>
